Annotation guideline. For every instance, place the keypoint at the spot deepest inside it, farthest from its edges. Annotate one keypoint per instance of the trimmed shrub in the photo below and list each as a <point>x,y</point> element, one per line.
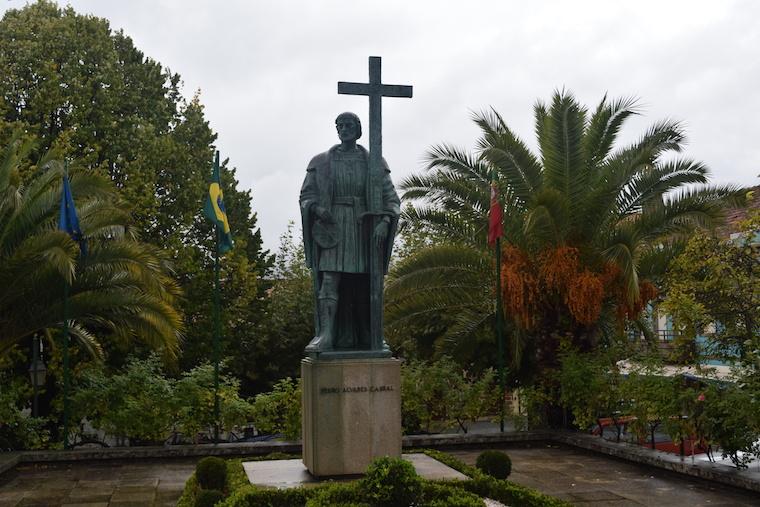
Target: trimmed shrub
<point>337,495</point>
<point>390,482</point>
<point>448,495</point>
<point>494,463</point>
<point>252,496</point>
<point>208,498</point>
<point>211,473</point>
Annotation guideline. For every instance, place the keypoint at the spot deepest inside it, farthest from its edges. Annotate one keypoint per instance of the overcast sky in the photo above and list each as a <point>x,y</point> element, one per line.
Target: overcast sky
<point>267,72</point>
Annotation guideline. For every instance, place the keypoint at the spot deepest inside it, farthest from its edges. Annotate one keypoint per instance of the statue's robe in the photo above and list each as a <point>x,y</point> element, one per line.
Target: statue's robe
<point>339,182</point>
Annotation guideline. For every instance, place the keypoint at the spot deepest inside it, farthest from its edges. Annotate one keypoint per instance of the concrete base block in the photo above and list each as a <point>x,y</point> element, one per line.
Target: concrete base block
<point>351,413</point>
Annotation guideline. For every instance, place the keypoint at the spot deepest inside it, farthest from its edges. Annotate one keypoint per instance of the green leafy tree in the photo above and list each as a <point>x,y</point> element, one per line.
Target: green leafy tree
<point>588,229</point>
<point>273,349</point>
<point>86,91</point>
<point>121,291</point>
<point>714,288</point>
<point>589,385</point>
<point>74,83</point>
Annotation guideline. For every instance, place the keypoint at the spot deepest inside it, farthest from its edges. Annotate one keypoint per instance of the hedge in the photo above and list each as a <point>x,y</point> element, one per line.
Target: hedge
<point>437,493</point>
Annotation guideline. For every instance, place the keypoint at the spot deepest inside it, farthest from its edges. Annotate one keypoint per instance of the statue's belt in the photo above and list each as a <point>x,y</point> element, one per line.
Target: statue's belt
<point>350,201</point>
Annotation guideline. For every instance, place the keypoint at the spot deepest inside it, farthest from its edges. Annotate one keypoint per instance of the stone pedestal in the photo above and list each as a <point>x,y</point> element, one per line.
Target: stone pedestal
<point>351,413</point>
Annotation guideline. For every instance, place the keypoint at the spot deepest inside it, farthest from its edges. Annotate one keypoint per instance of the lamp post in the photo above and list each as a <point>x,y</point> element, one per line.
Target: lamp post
<point>37,372</point>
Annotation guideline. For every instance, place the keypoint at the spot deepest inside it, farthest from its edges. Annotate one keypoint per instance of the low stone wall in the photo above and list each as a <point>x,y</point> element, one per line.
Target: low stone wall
<point>159,452</point>
<point>746,479</point>
<point>443,440</point>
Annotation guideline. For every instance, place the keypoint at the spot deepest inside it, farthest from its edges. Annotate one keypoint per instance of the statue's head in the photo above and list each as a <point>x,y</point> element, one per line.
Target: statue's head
<point>349,127</point>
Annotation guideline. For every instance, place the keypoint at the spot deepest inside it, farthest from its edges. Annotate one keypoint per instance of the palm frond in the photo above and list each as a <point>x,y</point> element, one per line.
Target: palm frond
<point>459,227</point>
<point>562,148</point>
<point>603,127</point>
<point>547,221</point>
<point>622,250</point>
<point>689,209</point>
<point>508,155</point>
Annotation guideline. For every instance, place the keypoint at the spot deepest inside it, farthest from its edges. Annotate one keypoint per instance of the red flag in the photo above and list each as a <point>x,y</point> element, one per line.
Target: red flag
<point>494,216</point>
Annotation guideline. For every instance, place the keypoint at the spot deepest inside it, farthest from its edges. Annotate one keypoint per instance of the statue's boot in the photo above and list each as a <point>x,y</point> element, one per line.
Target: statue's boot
<point>327,308</point>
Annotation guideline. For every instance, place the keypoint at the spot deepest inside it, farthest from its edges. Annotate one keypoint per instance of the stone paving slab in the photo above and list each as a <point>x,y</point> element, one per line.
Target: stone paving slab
<point>9,460</point>
<point>292,473</point>
<point>431,468</point>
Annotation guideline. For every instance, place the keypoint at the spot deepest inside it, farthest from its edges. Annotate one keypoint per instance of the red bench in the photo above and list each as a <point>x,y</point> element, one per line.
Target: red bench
<point>618,422</point>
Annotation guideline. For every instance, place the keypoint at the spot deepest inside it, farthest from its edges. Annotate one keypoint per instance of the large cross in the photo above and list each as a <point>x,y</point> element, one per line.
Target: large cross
<point>376,90</point>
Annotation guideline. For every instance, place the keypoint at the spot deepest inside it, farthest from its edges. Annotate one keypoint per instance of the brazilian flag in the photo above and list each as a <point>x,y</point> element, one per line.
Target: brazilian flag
<point>215,211</point>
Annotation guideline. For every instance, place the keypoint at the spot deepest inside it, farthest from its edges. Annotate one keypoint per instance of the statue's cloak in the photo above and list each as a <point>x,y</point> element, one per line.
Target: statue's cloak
<point>317,190</point>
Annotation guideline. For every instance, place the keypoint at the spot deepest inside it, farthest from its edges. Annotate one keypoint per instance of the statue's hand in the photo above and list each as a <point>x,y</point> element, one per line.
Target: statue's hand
<point>323,214</point>
<point>381,233</point>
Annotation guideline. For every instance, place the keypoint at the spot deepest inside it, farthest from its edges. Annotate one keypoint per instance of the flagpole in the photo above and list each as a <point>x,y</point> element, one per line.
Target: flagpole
<point>495,230</point>
<point>499,333</point>
<point>66,373</point>
<point>217,326</point>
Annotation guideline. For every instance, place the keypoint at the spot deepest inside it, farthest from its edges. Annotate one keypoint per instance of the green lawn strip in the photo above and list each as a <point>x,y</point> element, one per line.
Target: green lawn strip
<point>484,485</point>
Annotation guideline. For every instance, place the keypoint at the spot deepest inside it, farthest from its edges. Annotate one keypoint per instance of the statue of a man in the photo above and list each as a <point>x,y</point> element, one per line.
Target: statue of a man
<point>338,235</point>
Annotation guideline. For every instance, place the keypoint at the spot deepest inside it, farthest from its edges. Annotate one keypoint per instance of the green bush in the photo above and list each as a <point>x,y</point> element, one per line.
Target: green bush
<point>730,420</point>
<point>208,498</point>
<point>110,401</point>
<point>279,411</point>
<point>494,463</point>
<point>436,395</point>
<point>193,397</point>
<point>390,482</point>
<point>211,473</point>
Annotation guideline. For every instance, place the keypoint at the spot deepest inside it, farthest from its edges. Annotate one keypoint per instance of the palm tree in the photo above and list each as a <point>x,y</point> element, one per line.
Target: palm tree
<point>588,229</point>
<point>121,289</point>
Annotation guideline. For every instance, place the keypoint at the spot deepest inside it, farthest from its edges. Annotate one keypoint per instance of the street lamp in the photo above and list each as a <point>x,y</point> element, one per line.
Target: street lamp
<point>37,372</point>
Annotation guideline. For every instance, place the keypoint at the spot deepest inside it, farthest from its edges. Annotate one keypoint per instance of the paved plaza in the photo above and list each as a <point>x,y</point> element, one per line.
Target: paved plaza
<point>134,483</point>
<point>595,480</point>
<point>578,476</point>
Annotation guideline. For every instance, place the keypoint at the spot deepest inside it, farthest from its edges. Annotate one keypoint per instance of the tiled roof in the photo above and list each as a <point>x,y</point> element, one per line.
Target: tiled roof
<point>735,216</point>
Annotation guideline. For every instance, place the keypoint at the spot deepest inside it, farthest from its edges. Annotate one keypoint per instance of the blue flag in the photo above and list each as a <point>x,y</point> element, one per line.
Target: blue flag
<point>67,219</point>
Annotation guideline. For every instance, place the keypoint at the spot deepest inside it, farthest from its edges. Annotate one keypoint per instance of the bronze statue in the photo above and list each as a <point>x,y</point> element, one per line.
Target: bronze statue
<point>347,242</point>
